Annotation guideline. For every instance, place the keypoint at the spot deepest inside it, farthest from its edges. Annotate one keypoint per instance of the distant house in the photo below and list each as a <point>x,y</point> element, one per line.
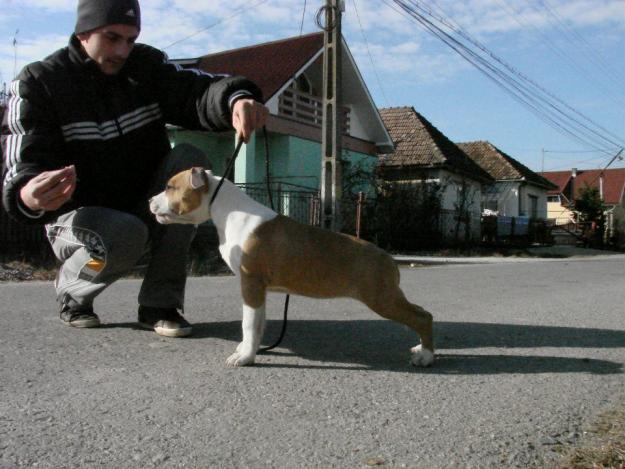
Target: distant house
<point>611,186</point>
<point>517,190</point>
<point>423,154</point>
<point>289,72</point>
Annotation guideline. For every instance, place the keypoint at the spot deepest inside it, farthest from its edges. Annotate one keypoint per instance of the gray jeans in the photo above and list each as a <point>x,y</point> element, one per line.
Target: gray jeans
<point>98,245</point>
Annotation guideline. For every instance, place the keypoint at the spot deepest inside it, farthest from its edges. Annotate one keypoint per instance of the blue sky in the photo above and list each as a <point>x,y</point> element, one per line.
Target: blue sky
<point>574,49</point>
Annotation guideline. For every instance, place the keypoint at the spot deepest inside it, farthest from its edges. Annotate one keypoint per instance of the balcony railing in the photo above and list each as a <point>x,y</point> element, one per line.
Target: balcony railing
<point>308,109</point>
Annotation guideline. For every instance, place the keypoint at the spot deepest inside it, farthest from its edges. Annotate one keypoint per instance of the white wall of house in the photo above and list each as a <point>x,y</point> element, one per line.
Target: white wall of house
<point>356,128</point>
<point>615,223</point>
<point>502,197</point>
<point>533,202</point>
<point>272,105</point>
<point>453,185</point>
<point>516,199</point>
<point>508,202</point>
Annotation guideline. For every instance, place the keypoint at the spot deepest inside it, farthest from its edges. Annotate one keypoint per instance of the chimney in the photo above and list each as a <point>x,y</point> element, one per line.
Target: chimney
<point>572,186</point>
<point>601,185</point>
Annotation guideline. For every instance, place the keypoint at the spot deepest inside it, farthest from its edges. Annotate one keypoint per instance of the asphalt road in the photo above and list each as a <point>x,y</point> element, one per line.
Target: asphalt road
<point>528,354</point>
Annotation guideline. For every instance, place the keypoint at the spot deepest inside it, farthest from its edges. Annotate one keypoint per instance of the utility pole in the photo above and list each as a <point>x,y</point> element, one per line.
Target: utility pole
<point>331,125</point>
<point>618,155</point>
<point>15,53</point>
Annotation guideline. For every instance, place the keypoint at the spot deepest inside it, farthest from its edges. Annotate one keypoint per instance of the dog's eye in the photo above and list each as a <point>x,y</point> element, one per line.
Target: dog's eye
<point>169,187</point>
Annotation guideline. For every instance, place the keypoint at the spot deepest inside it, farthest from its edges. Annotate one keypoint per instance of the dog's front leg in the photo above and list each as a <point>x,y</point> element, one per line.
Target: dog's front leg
<point>253,328</point>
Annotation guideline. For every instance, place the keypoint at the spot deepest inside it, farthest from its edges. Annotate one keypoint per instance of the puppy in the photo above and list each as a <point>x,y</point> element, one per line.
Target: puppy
<point>270,252</point>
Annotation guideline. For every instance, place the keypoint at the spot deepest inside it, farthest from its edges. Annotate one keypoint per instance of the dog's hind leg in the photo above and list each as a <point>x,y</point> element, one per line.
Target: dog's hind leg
<point>253,325</point>
<point>391,303</point>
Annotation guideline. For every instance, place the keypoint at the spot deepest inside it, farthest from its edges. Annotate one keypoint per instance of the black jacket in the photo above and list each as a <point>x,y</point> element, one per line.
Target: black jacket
<point>64,111</point>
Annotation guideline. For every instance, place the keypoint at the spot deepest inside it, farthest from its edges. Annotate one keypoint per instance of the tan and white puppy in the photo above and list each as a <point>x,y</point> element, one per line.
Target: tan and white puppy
<point>270,252</point>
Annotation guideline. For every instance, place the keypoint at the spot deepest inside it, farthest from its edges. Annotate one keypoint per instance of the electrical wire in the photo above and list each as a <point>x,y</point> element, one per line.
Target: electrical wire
<point>375,71</point>
<point>577,66</point>
<point>574,151</point>
<point>542,103</point>
<point>592,54</point>
<point>301,26</point>
<point>524,78</point>
<point>223,20</point>
<point>507,83</point>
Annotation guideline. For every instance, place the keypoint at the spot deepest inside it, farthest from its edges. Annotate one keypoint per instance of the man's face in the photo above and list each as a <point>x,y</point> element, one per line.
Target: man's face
<point>110,46</point>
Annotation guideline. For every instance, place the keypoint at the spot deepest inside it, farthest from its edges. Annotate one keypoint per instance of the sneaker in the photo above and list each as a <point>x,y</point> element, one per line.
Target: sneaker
<point>164,321</point>
<point>84,317</point>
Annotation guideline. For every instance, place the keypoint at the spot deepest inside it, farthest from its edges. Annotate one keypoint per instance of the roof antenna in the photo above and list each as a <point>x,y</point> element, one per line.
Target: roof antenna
<point>15,53</point>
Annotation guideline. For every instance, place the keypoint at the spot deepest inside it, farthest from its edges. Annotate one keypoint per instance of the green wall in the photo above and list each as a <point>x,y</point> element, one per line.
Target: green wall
<point>292,160</point>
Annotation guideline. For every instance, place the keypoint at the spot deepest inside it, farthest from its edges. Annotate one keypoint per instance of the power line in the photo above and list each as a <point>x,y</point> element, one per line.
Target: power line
<point>576,151</point>
<point>301,27</point>
<point>517,73</point>
<point>561,53</point>
<point>542,103</point>
<point>593,55</point>
<point>375,71</point>
<point>223,20</point>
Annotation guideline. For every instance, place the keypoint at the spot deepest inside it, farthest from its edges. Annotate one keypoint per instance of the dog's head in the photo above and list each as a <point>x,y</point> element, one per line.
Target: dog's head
<point>185,198</point>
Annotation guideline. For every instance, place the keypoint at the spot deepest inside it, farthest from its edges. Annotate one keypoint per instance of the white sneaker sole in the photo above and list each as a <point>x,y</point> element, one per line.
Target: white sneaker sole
<point>83,323</point>
<point>181,332</point>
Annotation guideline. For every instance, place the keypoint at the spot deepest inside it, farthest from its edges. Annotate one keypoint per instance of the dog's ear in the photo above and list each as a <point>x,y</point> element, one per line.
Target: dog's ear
<point>198,178</point>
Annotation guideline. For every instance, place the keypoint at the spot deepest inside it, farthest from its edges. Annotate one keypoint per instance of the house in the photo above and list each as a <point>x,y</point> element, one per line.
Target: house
<point>289,73</point>
<point>611,186</point>
<point>423,154</point>
<point>517,191</point>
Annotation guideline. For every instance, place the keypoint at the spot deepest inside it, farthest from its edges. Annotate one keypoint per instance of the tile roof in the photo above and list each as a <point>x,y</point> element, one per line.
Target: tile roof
<point>613,182</point>
<point>269,65</point>
<point>419,143</point>
<point>500,165</point>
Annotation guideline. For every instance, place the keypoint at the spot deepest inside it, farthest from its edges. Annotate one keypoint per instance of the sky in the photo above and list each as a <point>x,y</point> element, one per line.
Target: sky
<point>572,49</point>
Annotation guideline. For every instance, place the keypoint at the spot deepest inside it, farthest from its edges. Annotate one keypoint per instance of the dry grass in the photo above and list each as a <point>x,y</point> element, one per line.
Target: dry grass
<point>18,271</point>
<point>604,446</point>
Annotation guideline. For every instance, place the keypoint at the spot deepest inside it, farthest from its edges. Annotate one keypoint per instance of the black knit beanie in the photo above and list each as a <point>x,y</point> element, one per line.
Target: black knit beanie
<point>93,14</point>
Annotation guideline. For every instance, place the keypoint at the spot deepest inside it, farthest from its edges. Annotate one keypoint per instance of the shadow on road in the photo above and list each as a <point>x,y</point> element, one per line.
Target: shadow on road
<point>382,345</point>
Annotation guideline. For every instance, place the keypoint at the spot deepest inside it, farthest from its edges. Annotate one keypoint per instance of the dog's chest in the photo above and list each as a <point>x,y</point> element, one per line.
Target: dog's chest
<point>236,231</point>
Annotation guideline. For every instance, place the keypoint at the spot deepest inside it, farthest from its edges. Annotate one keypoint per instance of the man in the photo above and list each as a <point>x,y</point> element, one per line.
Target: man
<point>85,146</point>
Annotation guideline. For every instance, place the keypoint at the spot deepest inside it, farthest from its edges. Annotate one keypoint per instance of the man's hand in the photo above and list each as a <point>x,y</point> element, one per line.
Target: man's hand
<point>49,190</point>
<point>247,116</point>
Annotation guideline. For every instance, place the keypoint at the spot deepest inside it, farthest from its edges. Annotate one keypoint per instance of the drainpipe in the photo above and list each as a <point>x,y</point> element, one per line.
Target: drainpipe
<point>572,185</point>
<point>601,185</point>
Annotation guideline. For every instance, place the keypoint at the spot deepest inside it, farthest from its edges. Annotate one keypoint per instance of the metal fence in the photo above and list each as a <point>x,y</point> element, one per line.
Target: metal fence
<point>455,228</point>
<point>293,201</point>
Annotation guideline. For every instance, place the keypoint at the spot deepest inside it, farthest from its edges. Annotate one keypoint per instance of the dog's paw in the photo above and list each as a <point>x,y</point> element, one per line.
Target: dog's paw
<point>240,359</point>
<point>421,356</point>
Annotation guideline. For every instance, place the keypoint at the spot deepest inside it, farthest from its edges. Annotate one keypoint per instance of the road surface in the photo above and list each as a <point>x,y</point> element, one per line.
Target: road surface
<point>528,354</point>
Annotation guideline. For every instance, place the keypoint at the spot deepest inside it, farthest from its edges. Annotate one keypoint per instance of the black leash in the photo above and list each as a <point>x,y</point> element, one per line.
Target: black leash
<point>270,195</point>
<point>233,157</point>
<point>288,297</point>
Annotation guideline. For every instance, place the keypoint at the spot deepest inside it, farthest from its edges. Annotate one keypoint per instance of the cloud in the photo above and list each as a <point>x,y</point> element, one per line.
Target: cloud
<point>396,43</point>
<point>28,50</point>
<point>481,17</point>
<point>48,5</point>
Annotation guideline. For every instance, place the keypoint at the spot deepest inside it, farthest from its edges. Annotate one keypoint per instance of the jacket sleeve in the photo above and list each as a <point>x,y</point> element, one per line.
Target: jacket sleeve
<point>31,143</point>
<point>194,99</point>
